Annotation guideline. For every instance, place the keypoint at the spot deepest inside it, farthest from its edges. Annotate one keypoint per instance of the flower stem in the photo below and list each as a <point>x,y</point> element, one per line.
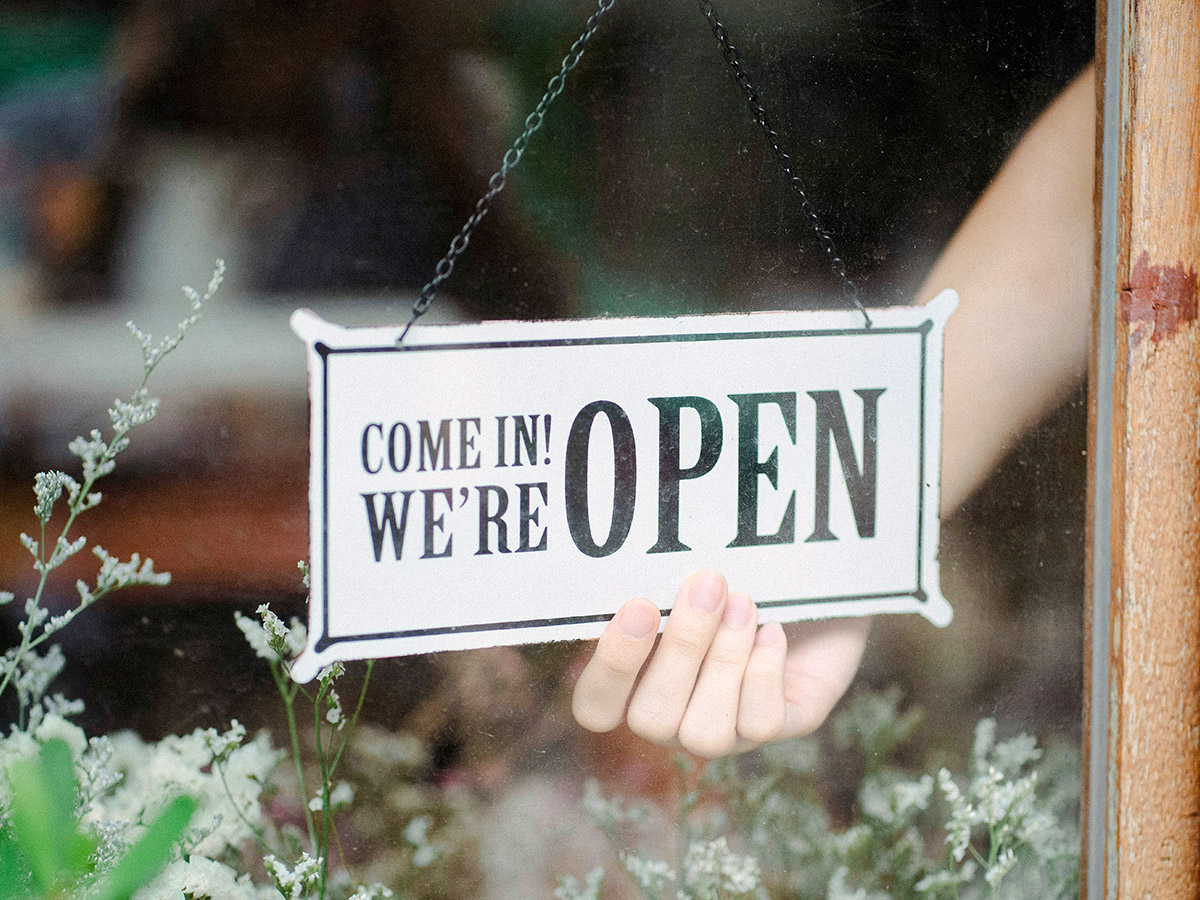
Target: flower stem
<point>74,507</point>
<point>289,706</point>
<point>260,835</point>
<point>362,696</point>
<point>323,847</point>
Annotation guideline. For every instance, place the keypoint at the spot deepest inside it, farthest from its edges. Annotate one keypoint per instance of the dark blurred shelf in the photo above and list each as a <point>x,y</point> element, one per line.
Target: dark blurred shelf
<point>220,536</point>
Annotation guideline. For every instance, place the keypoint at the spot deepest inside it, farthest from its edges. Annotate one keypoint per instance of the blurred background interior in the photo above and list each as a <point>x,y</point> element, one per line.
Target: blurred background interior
<point>329,151</point>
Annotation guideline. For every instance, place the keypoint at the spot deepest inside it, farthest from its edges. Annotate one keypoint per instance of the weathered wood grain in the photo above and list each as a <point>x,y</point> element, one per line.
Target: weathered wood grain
<point>1152,839</point>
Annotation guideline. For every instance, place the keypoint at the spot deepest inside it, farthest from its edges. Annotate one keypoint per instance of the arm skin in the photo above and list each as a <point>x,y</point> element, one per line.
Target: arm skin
<point>1022,265</point>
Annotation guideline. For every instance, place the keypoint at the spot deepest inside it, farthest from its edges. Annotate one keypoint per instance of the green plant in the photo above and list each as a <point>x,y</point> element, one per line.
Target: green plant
<point>278,644</point>
<point>24,667</point>
<point>107,817</point>
<point>46,848</point>
<point>99,818</point>
<point>758,827</point>
<point>44,851</point>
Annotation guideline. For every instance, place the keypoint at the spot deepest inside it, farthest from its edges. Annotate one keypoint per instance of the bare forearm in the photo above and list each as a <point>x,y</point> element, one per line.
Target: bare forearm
<point>1022,265</point>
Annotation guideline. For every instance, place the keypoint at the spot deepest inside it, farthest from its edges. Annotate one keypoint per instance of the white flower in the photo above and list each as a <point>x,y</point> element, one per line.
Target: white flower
<point>740,874</point>
<point>334,715</point>
<point>416,832</point>
<point>985,739</point>
<point>570,888</point>
<point>115,574</point>
<point>339,798</point>
<point>330,672</point>
<point>222,745</point>
<point>37,670</point>
<point>154,773</point>
<point>57,705</point>
<point>200,878</point>
<point>426,856</point>
<point>297,637</point>
<point>151,355</point>
<point>936,883</point>
<point>425,852</point>
<point>910,795</point>
<point>98,777</point>
<point>54,726</point>
<point>373,892</point>
<point>1004,862</point>
<point>710,868</point>
<point>650,874</point>
<point>608,813</point>
<point>840,890</point>
<point>126,416</point>
<point>896,802</point>
<point>1011,756</point>
<point>47,488</point>
<point>95,455</point>
<point>272,640</point>
<point>294,883</point>
<point>255,636</point>
<point>272,624</point>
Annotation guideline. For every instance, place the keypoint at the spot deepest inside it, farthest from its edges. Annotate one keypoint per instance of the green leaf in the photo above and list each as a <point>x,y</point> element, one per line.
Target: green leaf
<point>148,856</point>
<point>43,815</point>
<point>14,876</point>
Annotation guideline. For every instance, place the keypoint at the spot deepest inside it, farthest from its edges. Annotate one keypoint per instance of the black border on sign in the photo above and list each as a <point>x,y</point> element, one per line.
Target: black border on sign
<point>324,351</point>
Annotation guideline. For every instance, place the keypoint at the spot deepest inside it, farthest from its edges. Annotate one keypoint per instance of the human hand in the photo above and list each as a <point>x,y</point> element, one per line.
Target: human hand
<point>716,683</point>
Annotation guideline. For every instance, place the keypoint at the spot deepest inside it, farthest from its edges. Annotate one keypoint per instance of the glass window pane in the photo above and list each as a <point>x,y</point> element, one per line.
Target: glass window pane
<point>329,153</point>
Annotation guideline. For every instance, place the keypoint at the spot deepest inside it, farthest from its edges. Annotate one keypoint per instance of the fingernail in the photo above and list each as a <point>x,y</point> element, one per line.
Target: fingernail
<point>707,592</point>
<point>638,619</point>
<point>771,633</point>
<point>739,609</point>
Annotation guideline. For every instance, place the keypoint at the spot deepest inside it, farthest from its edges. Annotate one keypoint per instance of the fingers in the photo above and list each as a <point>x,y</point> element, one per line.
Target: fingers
<point>604,685</point>
<point>709,725</point>
<point>762,712</point>
<point>820,666</point>
<point>658,706</point>
<point>716,683</point>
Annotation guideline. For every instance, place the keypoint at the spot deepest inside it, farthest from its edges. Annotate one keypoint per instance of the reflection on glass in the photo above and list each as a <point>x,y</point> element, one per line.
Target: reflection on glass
<point>329,153</point>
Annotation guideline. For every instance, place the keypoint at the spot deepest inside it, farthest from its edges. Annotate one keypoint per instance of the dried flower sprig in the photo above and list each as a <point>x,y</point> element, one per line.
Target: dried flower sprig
<point>279,644</point>
<point>752,828</point>
<point>24,667</point>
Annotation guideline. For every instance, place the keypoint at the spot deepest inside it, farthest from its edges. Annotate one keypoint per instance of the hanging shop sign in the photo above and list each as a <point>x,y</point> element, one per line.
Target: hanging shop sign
<point>516,482</point>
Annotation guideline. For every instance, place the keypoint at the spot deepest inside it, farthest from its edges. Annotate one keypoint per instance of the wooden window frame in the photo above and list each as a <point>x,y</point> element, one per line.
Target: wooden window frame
<point>1142,653</point>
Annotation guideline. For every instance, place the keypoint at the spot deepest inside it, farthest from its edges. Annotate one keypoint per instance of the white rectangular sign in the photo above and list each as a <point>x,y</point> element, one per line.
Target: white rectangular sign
<point>516,482</point>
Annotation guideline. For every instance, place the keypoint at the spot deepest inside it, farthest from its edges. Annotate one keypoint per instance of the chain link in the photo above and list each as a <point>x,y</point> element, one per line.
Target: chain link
<point>534,120</point>
<point>729,51</point>
<point>511,158</point>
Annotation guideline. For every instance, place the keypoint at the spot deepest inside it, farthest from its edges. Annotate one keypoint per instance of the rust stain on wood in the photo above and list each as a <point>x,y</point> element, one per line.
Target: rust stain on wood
<point>1158,298</point>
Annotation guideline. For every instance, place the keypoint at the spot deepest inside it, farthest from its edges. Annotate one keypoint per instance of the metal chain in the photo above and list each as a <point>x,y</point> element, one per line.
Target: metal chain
<point>729,51</point>
<point>512,156</point>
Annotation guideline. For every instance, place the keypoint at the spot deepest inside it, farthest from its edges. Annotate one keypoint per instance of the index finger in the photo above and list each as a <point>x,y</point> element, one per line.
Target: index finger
<point>604,686</point>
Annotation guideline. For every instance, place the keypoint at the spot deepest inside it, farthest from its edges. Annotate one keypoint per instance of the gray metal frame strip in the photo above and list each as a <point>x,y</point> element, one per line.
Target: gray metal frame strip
<point>1097,784</point>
